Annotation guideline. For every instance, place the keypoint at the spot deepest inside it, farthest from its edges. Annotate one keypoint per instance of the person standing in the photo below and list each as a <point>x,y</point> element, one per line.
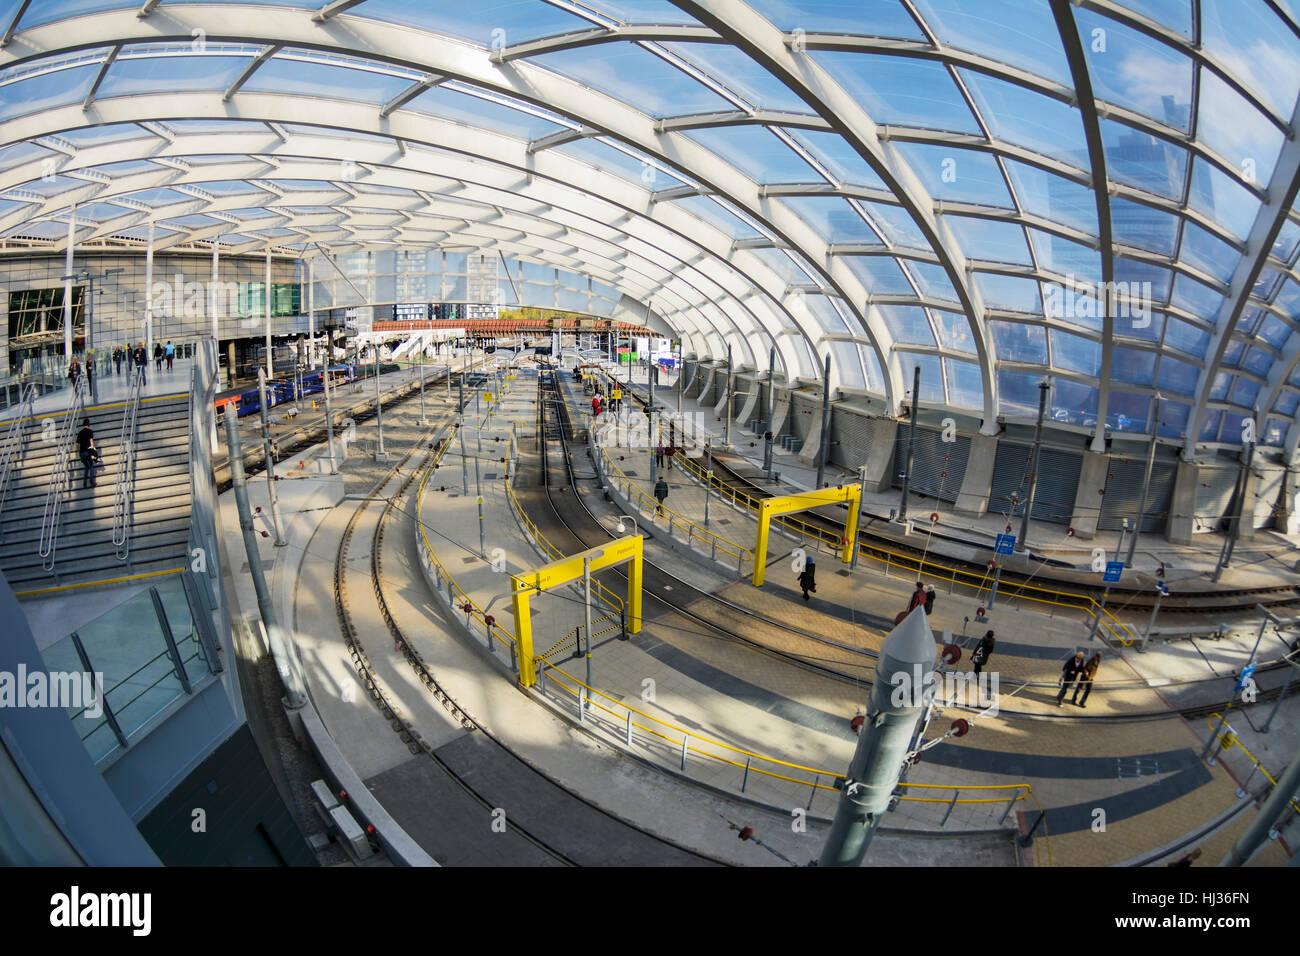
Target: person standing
<point>1071,671</point>
<point>90,370</point>
<point>808,577</point>
<point>661,492</point>
<point>157,356</point>
<point>659,455</point>
<point>918,597</point>
<point>170,352</point>
<point>1086,679</point>
<point>74,373</point>
<point>983,651</point>
<point>87,453</point>
<point>117,358</point>
<point>141,362</point>
<point>929,599</point>
<point>668,455</point>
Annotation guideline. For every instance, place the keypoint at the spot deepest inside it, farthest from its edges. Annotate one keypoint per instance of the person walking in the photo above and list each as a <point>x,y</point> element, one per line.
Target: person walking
<point>157,356</point>
<point>117,358</point>
<point>808,578</point>
<point>87,452</point>
<point>983,651</point>
<point>1071,671</point>
<point>170,352</point>
<point>929,599</point>
<point>141,362</point>
<point>74,373</point>
<point>1086,679</point>
<point>668,455</point>
<point>661,492</point>
<point>90,370</point>
<point>918,597</point>
<point>659,455</point>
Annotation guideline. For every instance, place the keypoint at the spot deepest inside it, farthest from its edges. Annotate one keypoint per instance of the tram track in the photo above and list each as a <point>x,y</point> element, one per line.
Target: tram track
<point>397,483</point>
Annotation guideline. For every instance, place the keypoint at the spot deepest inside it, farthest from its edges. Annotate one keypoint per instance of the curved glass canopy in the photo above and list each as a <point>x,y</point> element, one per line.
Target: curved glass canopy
<point>1097,191</point>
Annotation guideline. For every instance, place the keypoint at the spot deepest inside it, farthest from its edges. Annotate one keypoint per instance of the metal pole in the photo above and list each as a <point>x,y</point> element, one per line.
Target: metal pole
<point>857,531</point>
<point>380,454</point>
<point>726,417</point>
<point>284,661</point>
<point>652,441</point>
<point>1151,622</point>
<point>586,608</point>
<point>1286,688</point>
<point>997,577</point>
<point>482,546</point>
<point>1225,557</point>
<point>824,447</point>
<point>90,342</point>
<point>266,311</point>
<point>1258,829</point>
<point>1146,480</point>
<point>464,462</point>
<point>270,459</point>
<point>911,439</point>
<point>771,410</point>
<point>1092,632</point>
<point>423,420</point>
<point>329,416</point>
<point>905,657</point>
<point>708,477</point>
<point>1043,388</point>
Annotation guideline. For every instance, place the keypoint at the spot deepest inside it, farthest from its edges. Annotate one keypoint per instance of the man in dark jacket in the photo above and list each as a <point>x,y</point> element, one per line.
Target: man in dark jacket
<point>1086,679</point>
<point>141,362</point>
<point>661,492</point>
<point>983,651</point>
<point>929,599</point>
<point>87,453</point>
<point>1071,671</point>
<point>808,577</point>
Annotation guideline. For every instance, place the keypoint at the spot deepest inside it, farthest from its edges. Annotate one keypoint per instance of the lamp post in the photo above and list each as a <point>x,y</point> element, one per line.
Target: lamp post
<point>1043,388</point>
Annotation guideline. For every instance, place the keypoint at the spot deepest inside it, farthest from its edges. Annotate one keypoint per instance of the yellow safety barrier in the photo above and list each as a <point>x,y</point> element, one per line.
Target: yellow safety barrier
<point>95,584</point>
<point>564,571</point>
<point>776,506</point>
<point>642,501</point>
<point>1229,739</point>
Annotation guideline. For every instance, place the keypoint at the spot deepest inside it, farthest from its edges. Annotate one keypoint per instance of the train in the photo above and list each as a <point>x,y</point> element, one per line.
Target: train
<point>248,401</point>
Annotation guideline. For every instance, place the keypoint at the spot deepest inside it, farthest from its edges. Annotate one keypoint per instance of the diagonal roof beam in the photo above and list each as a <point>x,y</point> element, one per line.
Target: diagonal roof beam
<point>682,33</point>
<point>99,77</point>
<point>741,118</point>
<point>560,137</point>
<point>148,8</point>
<point>410,93</point>
<point>1283,187</point>
<point>333,9</point>
<point>13,24</point>
<point>249,70</point>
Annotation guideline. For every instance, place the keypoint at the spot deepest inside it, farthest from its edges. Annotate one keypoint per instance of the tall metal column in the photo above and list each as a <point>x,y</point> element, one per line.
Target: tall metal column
<point>285,663</point>
<point>652,438</point>
<point>911,440</point>
<point>1269,814</point>
<point>1225,556</point>
<point>213,299</point>
<point>1043,388</point>
<point>311,314</point>
<point>771,411</point>
<point>148,298</point>
<point>329,418</point>
<point>266,311</point>
<point>906,657</point>
<point>270,459</point>
<point>67,284</point>
<point>1146,480</point>
<point>380,454</point>
<point>726,417</point>
<point>823,447</point>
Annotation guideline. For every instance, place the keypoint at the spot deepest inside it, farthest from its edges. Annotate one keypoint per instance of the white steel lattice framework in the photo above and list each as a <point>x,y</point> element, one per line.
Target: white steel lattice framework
<point>897,182</point>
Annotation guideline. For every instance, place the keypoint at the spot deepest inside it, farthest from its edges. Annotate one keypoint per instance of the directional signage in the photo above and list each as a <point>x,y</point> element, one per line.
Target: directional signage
<point>1006,544</point>
<point>1246,673</point>
<point>1162,588</point>
<point>1113,570</point>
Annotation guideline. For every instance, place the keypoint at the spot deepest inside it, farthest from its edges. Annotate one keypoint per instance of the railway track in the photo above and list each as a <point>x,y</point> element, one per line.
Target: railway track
<point>881,547</point>
<point>391,495</point>
<point>558,428</point>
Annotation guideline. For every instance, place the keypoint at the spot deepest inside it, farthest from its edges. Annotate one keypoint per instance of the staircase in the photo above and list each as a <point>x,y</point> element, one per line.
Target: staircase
<point>158,507</point>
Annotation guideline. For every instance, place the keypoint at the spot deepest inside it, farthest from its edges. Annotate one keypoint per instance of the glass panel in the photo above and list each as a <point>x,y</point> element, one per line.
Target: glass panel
<point>1009,292</point>
<point>641,11</point>
<point>960,175</point>
<point>1235,130</point>
<point>1128,411</point>
<point>48,11</point>
<point>988,240</point>
<point>1066,257</point>
<point>1172,13</point>
<point>933,280</point>
<point>706,208</point>
<point>1178,377</point>
<point>840,159</point>
<point>1208,253</point>
<point>1186,337</point>
<point>281,74</point>
<point>636,76</point>
<point>1018,394</point>
<point>965,387</point>
<point>1275,432</point>
<point>1009,31</point>
<point>45,91</point>
<point>758,153</point>
<point>954,331</point>
<point>1287,402</point>
<point>1226,202</point>
<point>1197,298</point>
<point>1287,239</point>
<point>1274,331</point>
<point>931,375</point>
<point>1144,161</point>
<point>1258,361</point>
<point>1020,342</point>
<point>1076,354</point>
<point>908,324</point>
<point>880,275</point>
<point>480,112</point>
<point>833,218</point>
<point>478,22</point>
<point>850,368</point>
<point>159,74</point>
<point>1133,224</point>
<point>1245,392</point>
<point>1256,48</point>
<point>1133,366</point>
<point>1132,70</point>
<point>1173,419</point>
<point>1029,119</point>
<point>1053,197</point>
<point>898,227</point>
<point>901,91</point>
<point>884,18</point>
<point>741,75</point>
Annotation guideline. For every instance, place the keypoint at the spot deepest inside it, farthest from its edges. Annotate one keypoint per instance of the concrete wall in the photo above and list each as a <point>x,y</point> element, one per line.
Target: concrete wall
<point>973,498</point>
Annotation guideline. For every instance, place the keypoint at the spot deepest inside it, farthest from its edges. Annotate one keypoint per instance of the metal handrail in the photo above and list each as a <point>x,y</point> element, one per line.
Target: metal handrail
<point>15,445</point>
<point>59,479</point>
<point>124,484</point>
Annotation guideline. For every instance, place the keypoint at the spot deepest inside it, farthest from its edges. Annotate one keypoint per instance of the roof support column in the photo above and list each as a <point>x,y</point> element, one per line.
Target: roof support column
<point>213,296</point>
<point>67,287</point>
<point>148,298</point>
<point>311,313</point>
<point>266,306</point>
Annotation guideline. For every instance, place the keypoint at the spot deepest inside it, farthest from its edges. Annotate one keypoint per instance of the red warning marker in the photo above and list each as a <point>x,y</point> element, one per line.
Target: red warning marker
<point>979,612</point>
<point>855,724</point>
<point>746,833</point>
<point>489,620</point>
<point>467,607</point>
<point>951,654</point>
<point>934,517</point>
<point>960,727</point>
<point>1069,532</point>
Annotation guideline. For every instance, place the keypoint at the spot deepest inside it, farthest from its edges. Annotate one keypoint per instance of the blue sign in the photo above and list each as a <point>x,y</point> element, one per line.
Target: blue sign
<point>1006,544</point>
<point>1246,673</point>
<point>1113,570</point>
<point>1162,588</point>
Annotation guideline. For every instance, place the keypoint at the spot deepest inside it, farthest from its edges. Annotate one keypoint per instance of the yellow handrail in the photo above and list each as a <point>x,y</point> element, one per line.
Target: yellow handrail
<point>91,584</point>
<point>1235,740</point>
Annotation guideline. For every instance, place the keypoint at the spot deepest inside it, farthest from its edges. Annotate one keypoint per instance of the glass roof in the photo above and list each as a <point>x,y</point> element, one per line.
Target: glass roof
<point>900,183</point>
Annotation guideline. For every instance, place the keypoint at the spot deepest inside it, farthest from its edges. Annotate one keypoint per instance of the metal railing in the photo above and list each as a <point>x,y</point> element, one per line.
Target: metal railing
<point>50,519</point>
<point>1227,739</point>
<point>124,484</point>
<point>15,446</point>
<point>694,533</point>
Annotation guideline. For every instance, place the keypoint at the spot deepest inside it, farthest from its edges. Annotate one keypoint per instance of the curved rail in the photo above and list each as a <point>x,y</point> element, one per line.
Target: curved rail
<point>51,518</point>
<point>15,445</point>
<point>124,483</point>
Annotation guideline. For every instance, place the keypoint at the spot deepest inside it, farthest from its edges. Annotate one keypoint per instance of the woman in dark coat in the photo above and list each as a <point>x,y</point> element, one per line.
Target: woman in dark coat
<point>808,578</point>
<point>983,651</point>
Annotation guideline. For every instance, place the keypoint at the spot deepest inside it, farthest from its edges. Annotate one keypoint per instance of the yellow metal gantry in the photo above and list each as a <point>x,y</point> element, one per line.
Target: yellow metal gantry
<point>769,508</point>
